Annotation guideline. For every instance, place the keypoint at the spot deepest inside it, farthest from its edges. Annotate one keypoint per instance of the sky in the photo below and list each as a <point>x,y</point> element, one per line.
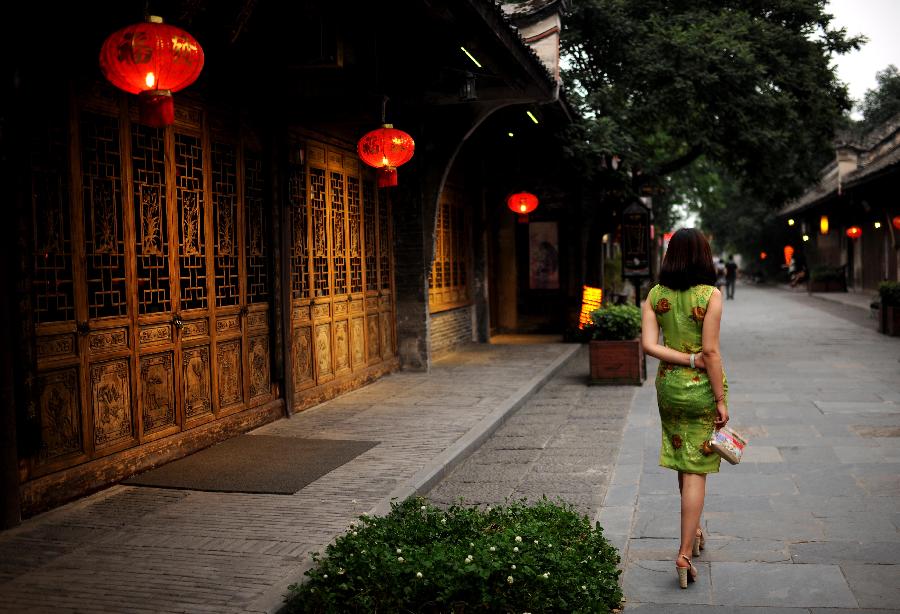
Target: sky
<point>878,21</point>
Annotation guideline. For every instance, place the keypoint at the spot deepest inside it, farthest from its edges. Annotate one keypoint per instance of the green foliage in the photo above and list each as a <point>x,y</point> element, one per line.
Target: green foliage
<point>889,291</point>
<point>615,323</point>
<point>826,273</point>
<point>883,102</point>
<point>518,558</point>
<point>749,85</point>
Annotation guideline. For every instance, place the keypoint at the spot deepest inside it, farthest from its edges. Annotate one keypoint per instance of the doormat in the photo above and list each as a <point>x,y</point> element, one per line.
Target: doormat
<point>262,464</point>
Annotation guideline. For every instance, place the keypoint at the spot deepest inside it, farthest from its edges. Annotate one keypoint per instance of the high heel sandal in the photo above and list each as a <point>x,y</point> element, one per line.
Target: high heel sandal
<point>699,543</point>
<point>686,574</point>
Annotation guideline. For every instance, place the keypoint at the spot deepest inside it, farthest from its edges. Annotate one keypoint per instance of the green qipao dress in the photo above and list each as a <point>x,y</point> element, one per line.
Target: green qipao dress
<point>687,404</point>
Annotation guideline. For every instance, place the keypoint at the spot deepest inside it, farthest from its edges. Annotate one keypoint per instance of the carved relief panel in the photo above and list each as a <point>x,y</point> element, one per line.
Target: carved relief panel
<point>301,352</point>
<point>111,403</point>
<point>341,346</point>
<point>195,380</point>
<point>157,390</point>
<point>229,368</point>
<point>260,381</point>
<point>357,342</point>
<point>60,414</point>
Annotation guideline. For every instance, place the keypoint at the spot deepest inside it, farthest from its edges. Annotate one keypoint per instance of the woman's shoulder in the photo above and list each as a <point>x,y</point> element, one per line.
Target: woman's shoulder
<point>703,292</point>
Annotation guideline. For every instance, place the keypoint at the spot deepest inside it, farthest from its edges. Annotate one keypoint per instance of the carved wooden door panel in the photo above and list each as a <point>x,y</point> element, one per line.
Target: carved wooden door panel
<point>152,279</point>
<point>342,315</point>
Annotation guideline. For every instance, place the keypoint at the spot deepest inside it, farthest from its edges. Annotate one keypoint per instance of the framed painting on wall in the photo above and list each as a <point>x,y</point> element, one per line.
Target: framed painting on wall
<point>543,256</point>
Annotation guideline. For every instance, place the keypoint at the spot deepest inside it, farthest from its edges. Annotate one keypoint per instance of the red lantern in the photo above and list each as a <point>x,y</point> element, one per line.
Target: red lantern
<point>522,203</point>
<point>763,255</point>
<point>152,59</point>
<point>854,232</point>
<point>385,149</point>
<point>788,254</point>
<point>896,222</point>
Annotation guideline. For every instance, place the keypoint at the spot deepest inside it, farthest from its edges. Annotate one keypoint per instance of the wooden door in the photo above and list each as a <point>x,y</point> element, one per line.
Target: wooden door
<point>341,273</point>
<point>155,283</point>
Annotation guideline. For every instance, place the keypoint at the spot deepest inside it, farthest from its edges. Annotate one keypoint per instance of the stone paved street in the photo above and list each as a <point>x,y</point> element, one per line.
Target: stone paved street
<point>134,549</point>
<point>562,443</point>
<point>809,520</point>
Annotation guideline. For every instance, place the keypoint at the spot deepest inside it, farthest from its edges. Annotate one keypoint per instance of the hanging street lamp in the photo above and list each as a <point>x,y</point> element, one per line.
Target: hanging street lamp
<point>823,224</point>
<point>152,59</point>
<point>854,232</point>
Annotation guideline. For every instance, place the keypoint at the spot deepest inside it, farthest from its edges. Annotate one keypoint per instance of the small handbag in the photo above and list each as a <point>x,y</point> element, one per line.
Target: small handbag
<point>727,443</point>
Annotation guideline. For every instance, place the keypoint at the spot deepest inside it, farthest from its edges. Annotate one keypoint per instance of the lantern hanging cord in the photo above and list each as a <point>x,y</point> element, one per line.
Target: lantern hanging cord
<point>384,102</point>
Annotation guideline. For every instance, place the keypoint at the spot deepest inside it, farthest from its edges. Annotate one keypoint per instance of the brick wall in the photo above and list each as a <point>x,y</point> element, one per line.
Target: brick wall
<point>450,329</point>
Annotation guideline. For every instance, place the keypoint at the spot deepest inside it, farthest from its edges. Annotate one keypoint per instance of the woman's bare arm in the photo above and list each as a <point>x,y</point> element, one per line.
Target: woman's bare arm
<point>711,356</point>
<point>650,340</point>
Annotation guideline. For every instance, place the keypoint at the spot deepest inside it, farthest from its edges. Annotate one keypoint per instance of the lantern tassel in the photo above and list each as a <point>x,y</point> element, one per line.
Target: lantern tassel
<point>387,177</point>
<point>157,108</point>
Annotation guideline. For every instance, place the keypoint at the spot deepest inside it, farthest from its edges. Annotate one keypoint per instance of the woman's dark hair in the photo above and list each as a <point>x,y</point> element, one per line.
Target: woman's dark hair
<point>688,261</point>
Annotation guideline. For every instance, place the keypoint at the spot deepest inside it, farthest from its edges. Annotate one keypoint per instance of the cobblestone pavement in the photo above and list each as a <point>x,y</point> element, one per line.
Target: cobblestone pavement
<point>808,522</point>
<point>562,443</point>
<point>135,549</point>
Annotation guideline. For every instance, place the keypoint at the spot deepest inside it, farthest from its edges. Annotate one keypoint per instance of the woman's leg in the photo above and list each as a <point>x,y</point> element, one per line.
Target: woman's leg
<point>693,492</point>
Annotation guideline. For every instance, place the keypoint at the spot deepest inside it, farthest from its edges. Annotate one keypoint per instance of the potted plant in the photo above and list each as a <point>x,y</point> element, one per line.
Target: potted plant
<point>889,308</point>
<point>616,355</point>
<point>827,279</point>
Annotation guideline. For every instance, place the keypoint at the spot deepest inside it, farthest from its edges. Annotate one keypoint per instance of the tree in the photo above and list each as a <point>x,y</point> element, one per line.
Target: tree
<point>746,84</point>
<point>883,102</point>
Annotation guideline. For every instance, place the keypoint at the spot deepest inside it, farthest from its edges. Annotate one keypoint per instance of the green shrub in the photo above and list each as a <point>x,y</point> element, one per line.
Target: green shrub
<point>827,273</point>
<point>542,557</point>
<point>615,323</point>
<point>889,291</point>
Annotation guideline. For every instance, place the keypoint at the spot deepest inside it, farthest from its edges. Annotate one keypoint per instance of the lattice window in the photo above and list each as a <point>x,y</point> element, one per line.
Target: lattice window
<point>371,230</point>
<point>52,233</point>
<point>258,276</point>
<point>338,240</point>
<point>299,230</point>
<point>384,247</point>
<point>354,216</point>
<point>225,224</point>
<point>319,210</point>
<point>191,205</point>
<point>448,280</point>
<point>104,232</point>
<point>148,168</point>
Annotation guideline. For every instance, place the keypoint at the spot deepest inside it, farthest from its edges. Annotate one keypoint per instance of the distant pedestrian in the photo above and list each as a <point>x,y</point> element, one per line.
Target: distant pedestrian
<point>720,275</point>
<point>730,276</point>
<point>691,388</point>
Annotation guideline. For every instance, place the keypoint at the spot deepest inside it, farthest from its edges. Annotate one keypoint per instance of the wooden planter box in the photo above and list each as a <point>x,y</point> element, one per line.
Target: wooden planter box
<point>617,362</point>
<point>827,286</point>
<point>889,320</point>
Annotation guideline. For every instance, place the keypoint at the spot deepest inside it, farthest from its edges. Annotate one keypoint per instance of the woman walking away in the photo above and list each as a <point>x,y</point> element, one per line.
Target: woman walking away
<point>690,384</point>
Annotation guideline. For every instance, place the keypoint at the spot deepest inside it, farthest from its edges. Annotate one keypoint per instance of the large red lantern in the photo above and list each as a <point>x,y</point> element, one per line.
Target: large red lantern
<point>385,149</point>
<point>854,232</point>
<point>152,59</point>
<point>896,222</point>
<point>522,203</point>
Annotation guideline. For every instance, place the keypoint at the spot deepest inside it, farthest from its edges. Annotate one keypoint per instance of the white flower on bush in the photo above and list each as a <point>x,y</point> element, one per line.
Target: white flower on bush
<point>355,534</point>
<point>325,576</point>
<point>400,559</point>
<point>471,545</point>
<point>513,567</point>
<point>493,549</point>
<point>546,574</point>
<point>468,559</point>
<point>509,579</point>
<point>399,551</point>
<point>341,571</point>
<point>535,542</point>
<point>518,538</point>
<point>443,521</point>
<point>423,508</point>
<point>584,587</point>
<point>515,549</point>
<point>549,545</point>
<point>418,574</point>
<point>488,508</point>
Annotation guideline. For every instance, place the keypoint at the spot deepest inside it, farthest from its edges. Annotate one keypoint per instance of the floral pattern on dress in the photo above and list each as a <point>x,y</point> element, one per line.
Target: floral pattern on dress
<point>662,306</point>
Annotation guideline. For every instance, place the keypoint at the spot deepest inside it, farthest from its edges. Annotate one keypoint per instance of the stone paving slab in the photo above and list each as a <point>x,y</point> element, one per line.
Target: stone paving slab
<point>810,521</point>
<point>148,549</point>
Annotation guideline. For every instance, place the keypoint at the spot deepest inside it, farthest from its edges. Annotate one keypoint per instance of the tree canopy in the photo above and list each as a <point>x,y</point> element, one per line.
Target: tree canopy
<point>883,102</point>
<point>745,84</point>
